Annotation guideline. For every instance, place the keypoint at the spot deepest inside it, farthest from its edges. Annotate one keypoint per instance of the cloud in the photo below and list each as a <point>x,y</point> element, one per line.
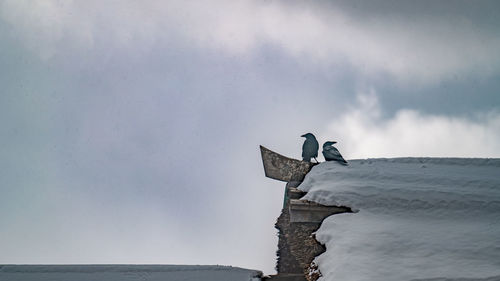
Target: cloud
<point>363,133</point>
<point>130,97</point>
<point>423,49</point>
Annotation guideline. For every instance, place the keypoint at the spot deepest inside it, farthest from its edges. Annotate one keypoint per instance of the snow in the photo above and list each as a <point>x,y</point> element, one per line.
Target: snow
<point>125,272</point>
<point>416,219</point>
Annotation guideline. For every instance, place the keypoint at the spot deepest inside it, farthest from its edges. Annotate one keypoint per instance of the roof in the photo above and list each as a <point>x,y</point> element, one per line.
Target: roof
<point>417,218</point>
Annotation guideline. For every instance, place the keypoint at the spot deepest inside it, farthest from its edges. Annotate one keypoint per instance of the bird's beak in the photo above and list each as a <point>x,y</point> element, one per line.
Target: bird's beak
<point>303,136</point>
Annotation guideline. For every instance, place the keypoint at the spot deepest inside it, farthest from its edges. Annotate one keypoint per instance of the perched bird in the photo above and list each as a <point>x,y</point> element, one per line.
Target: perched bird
<point>331,153</point>
<point>310,148</point>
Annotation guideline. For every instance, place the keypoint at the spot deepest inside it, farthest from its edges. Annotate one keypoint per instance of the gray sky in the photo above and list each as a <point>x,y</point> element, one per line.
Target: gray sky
<point>129,130</point>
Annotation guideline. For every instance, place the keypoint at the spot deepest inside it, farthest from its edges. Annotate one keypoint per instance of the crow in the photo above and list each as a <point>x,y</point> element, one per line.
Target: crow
<point>310,148</point>
<point>331,153</point>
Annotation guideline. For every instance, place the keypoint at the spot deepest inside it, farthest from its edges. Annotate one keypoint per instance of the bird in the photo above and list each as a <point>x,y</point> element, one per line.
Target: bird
<point>310,148</point>
<point>331,153</point>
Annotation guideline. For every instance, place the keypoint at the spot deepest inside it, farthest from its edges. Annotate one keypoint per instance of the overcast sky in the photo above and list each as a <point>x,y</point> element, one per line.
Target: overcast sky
<point>129,130</point>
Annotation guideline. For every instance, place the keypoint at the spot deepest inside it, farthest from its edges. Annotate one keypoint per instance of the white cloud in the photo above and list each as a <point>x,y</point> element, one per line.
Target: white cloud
<point>363,133</point>
<point>423,49</point>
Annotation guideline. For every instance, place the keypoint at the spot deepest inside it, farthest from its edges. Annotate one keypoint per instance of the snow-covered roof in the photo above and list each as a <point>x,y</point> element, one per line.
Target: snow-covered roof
<point>418,218</point>
<point>126,272</point>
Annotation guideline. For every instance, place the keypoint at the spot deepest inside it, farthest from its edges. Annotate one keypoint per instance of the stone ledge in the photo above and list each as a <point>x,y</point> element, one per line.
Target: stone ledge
<point>304,211</point>
<point>294,193</point>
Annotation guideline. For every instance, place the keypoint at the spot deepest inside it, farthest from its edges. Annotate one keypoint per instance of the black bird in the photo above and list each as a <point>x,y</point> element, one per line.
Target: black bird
<point>310,148</point>
<point>331,153</point>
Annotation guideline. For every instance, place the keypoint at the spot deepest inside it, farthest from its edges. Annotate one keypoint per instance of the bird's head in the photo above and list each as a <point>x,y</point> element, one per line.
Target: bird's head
<point>328,143</point>
<point>308,135</point>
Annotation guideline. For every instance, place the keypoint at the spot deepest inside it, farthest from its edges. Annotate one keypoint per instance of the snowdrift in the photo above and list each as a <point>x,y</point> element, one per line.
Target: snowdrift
<point>415,219</point>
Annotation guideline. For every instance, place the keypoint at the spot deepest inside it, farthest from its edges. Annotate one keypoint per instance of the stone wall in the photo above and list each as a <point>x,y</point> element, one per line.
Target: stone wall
<point>297,246</point>
<point>299,219</point>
